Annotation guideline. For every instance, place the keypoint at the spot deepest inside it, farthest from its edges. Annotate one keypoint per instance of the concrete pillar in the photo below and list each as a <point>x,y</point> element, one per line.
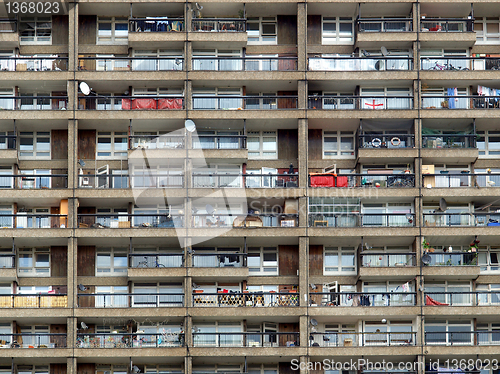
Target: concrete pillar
<point>303,365</point>
<point>73,36</point>
<point>302,36</point>
<point>302,94</point>
<point>71,365</point>
<point>188,291</point>
<point>304,270</point>
<point>304,331</point>
<point>72,331</point>
<point>72,272</point>
<point>303,152</point>
<point>188,330</point>
<point>188,365</point>
<point>72,153</point>
<point>188,55</point>
<point>303,218</point>
<point>188,94</point>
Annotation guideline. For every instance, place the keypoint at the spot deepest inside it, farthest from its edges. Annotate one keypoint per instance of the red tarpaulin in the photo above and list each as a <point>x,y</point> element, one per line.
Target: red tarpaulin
<point>143,104</point>
<point>430,301</point>
<point>342,182</point>
<point>126,104</point>
<point>170,104</point>
<point>323,180</point>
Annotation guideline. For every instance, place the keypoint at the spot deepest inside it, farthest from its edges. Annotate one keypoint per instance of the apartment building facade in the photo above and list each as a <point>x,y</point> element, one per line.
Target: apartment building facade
<point>229,187</point>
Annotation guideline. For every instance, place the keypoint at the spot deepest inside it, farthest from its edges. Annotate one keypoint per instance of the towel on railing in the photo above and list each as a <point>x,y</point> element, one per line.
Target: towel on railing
<point>430,301</point>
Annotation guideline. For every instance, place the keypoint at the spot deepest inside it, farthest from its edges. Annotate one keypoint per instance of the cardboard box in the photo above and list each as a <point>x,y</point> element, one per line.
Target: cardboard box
<point>21,67</point>
<point>291,206</point>
<point>124,224</point>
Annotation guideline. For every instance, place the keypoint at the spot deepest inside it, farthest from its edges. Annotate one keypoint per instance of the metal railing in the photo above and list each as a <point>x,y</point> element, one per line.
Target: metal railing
<point>392,141</point>
<point>131,300</point>
<point>156,260</point>
<point>33,63</point>
<point>127,340</point>
<point>361,219</point>
<point>459,63</point>
<point>384,24</point>
<point>33,102</point>
<point>219,260</point>
<point>245,220</point>
<point>136,180</point>
<point>7,261</point>
<point>8,25</point>
<point>258,299</point>
<point>212,180</point>
<point>359,63</point>
<point>34,301</point>
<point>35,181</point>
<point>100,102</point>
<point>33,221</point>
<point>383,259</point>
<point>130,220</point>
<point>8,141</point>
<point>449,141</point>
<point>360,102</point>
<point>137,63</point>
<point>246,339</point>
<point>371,180</point>
<point>162,141</point>
<point>219,24</point>
<point>247,63</point>
<point>446,180</point>
<point>447,24</point>
<point>471,298</point>
<point>362,339</point>
<point>220,142</point>
<point>460,102</point>
<point>461,337</point>
<point>33,340</point>
<point>352,299</point>
<point>156,24</point>
<point>239,102</point>
<point>453,259</point>
<point>461,219</point>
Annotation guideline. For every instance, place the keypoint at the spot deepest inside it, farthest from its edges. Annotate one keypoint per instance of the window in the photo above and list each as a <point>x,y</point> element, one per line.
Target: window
<point>208,257</point>
<point>112,144</point>
<point>111,217</point>
<point>160,335</point>
<point>262,369</point>
<point>337,30</point>
<point>169,174</point>
<point>391,333</point>
<point>388,294</point>
<point>6,216</point>
<point>488,143</point>
<point>205,98</point>
<point>31,180</point>
<point>157,295</point>
<point>6,258</point>
<point>263,261</point>
<point>111,261</point>
<point>268,338</point>
<point>438,97</point>
<point>157,216</point>
<point>157,257</point>
<point>387,214</point>
<point>5,333</point>
<point>216,139</point>
<point>448,332</point>
<point>215,334</point>
<point>158,60</point>
<point>35,101</point>
<point>488,259</point>
<point>32,369</point>
<point>337,335</point>
<point>33,262</point>
<point>488,333</point>
<point>386,98</point>
<point>36,30</point>
<point>35,218</point>
<point>432,58</point>
<point>262,30</point>
<point>487,30</point>
<point>262,145</point>
<point>34,145</point>
<point>110,63</point>
<point>112,30</point>
<point>111,369</point>
<point>387,256</point>
<point>7,99</point>
<point>491,295</point>
<point>111,297</point>
<point>339,260</point>
<point>6,179</point>
<point>334,212</point>
<point>330,101</point>
<point>35,336</point>
<point>32,290</point>
<point>215,176</point>
<point>223,59</point>
<point>338,144</point>
<point>7,139</point>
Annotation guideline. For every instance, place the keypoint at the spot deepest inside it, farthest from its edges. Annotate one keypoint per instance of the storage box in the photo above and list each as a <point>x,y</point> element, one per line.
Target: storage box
<point>21,67</point>
<point>291,206</point>
<point>124,224</point>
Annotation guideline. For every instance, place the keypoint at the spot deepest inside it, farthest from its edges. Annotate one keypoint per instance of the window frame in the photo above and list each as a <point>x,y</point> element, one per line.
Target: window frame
<point>32,271</point>
<point>113,153</point>
<point>34,152</point>
<point>261,135</point>
<point>337,38</point>
<point>339,135</point>
<point>264,269</point>
<point>340,252</point>
<point>112,39</point>
<point>36,39</point>
<point>482,35</point>
<point>262,38</point>
<point>113,270</point>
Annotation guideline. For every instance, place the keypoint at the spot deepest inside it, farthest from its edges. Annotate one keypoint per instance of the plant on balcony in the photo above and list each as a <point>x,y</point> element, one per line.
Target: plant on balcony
<point>473,247</point>
<point>427,246</point>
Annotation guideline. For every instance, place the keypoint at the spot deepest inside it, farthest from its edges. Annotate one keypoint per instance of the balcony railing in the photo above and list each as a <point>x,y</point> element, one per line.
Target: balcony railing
<point>33,341</point>
<point>130,220</point>
<point>334,299</point>
<point>237,299</point>
<point>131,103</point>
<point>362,339</point>
<point>131,300</point>
<point>360,102</point>
<point>457,180</point>
<point>137,180</point>
<point>246,63</point>
<point>7,261</point>
<point>36,181</point>
<point>462,337</point>
<point>156,260</point>
<point>8,141</point>
<point>460,102</point>
<point>33,221</point>
<point>383,259</point>
<point>220,142</point>
<point>33,102</point>
<point>449,141</point>
<point>359,63</point>
<point>209,180</point>
<point>219,24</point>
<point>219,260</point>
<point>156,24</point>
<point>447,24</point>
<point>34,301</point>
<point>126,340</point>
<point>201,102</point>
<point>453,259</point>
<point>384,24</point>
<point>245,220</point>
<point>391,141</point>
<point>368,180</point>
<point>8,25</point>
<point>246,339</point>
<point>33,63</point>
<point>145,63</point>
<point>464,219</point>
<point>456,63</point>
<point>472,298</point>
<point>163,141</point>
<point>361,219</point>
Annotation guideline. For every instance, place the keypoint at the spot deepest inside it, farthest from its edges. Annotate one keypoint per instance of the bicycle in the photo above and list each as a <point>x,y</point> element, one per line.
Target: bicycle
<point>145,264</point>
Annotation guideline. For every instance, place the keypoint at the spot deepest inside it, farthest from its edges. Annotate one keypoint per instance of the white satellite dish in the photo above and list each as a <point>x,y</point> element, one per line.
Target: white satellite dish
<point>384,51</point>
<point>84,326</point>
<point>84,87</point>
<point>313,322</point>
<point>189,125</point>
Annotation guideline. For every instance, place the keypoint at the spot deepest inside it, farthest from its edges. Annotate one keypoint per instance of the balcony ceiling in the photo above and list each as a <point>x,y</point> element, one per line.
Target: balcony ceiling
<point>350,86</point>
<point>386,9</point>
<point>139,360</point>
<point>252,86</point>
<point>34,242</point>
<point>333,9</point>
<point>449,124</point>
<point>372,241</point>
<point>443,9</point>
<point>486,9</point>
<point>36,125</point>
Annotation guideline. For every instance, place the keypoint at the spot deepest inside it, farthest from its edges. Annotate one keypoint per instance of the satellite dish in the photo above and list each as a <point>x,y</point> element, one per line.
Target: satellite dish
<point>443,205</point>
<point>210,209</point>
<point>84,326</point>
<point>314,322</point>
<point>81,163</point>
<point>313,286</point>
<point>81,287</point>
<point>367,247</point>
<point>84,87</point>
<point>198,6</point>
<point>135,369</point>
<point>365,53</point>
<point>384,51</point>
<point>426,259</point>
<point>189,125</point>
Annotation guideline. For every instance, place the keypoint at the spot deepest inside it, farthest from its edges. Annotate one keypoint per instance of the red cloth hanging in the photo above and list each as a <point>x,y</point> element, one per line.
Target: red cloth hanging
<point>430,301</point>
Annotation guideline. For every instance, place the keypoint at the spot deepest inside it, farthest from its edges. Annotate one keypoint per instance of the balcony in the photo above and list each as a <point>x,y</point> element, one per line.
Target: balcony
<point>131,103</point>
<point>246,63</point>
<point>137,180</point>
<point>33,341</point>
<point>33,221</point>
<point>130,64</point>
<point>449,32</point>
<point>163,141</point>
<point>459,180</point>
<point>218,25</point>
<point>208,180</point>
<point>33,102</point>
<point>460,63</point>
<point>238,299</point>
<point>35,181</point>
<point>429,24</point>
<point>363,180</point>
<point>8,271</point>
<point>360,63</point>
<point>114,221</point>
<point>126,340</point>
<point>246,339</point>
<point>465,219</point>
<point>245,102</point>
<point>466,338</point>
<point>384,24</point>
<point>55,63</point>
<point>360,102</point>
<point>131,300</point>
<point>362,339</point>
<point>245,220</point>
<point>459,102</point>
<point>219,260</point>
<point>156,24</point>
<point>473,298</point>
<point>383,259</point>
<point>155,260</point>
<point>359,299</point>
<point>34,301</point>
<point>391,32</point>
<point>361,220</point>
<point>452,259</point>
